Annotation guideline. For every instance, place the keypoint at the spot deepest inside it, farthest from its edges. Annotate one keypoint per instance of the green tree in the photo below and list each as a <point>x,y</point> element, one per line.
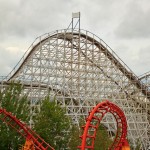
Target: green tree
<point>13,101</point>
<point>102,141</point>
<point>75,134</point>
<point>52,124</point>
<point>74,141</point>
<point>138,145</point>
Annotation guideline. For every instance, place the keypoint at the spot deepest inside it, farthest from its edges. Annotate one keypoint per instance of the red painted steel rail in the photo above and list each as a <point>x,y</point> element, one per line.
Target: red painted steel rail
<point>24,130</point>
<point>93,122</point>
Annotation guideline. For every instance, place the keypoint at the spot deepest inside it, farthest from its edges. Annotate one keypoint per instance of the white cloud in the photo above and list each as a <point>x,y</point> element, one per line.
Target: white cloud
<point>13,50</point>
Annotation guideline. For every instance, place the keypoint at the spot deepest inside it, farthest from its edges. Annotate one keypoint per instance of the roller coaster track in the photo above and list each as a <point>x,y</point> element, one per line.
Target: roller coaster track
<point>24,130</point>
<point>145,78</point>
<point>93,121</point>
<point>145,75</point>
<point>81,69</point>
<point>112,56</point>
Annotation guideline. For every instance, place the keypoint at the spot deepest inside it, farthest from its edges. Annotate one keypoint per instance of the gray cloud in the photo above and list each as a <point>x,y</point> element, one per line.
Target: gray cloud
<point>8,57</point>
<point>144,60</point>
<point>24,18</point>
<point>136,22</point>
<point>116,22</point>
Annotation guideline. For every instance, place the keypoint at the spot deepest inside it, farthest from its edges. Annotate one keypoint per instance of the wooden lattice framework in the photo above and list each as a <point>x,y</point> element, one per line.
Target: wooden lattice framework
<point>80,69</point>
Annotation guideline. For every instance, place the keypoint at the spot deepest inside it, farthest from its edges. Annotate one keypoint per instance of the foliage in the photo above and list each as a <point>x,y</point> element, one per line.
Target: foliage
<point>102,141</point>
<point>137,143</point>
<point>13,101</point>
<point>52,124</point>
<point>74,139</point>
<point>76,131</point>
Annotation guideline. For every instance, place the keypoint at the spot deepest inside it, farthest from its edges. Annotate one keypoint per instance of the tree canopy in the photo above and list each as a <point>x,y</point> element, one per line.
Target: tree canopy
<point>52,124</point>
<point>102,141</point>
<point>13,101</point>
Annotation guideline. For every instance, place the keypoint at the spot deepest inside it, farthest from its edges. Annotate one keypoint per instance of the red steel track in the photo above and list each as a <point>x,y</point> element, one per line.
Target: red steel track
<point>93,122</point>
<point>24,130</point>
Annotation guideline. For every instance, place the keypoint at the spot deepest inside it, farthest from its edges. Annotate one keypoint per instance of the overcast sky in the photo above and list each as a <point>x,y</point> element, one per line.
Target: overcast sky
<point>123,24</point>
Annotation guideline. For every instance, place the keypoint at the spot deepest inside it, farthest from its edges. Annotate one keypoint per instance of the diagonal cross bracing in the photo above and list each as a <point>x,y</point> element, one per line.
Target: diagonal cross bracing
<point>80,70</point>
